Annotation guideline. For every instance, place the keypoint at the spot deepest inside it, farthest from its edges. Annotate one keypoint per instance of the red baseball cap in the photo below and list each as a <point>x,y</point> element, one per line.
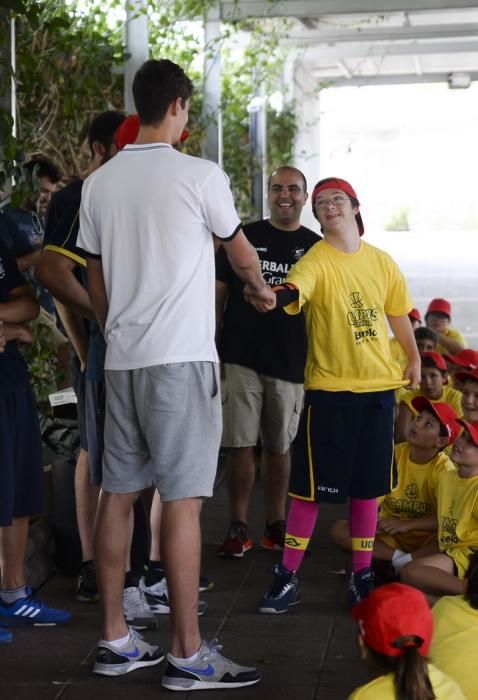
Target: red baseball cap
<point>337,183</point>
<point>393,618</point>
<point>441,305</point>
<point>443,412</point>
<point>414,315</point>
<point>472,429</point>
<point>465,358</point>
<point>471,374</point>
<point>437,359</point>
<point>128,130</point>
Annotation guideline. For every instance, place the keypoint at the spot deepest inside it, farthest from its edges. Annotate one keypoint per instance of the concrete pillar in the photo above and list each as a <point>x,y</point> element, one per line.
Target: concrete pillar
<point>136,40</point>
<point>212,148</point>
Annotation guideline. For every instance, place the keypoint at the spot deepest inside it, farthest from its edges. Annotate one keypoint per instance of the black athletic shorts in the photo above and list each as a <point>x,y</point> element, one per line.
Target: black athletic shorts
<point>21,470</point>
<point>79,382</point>
<point>95,407</point>
<point>344,447</point>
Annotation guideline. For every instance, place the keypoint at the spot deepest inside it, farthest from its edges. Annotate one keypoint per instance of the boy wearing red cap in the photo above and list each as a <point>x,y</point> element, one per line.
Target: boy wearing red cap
<point>433,386</point>
<point>349,290</point>
<point>438,317</point>
<point>457,499</point>
<point>407,521</point>
<point>461,362</point>
<point>395,633</point>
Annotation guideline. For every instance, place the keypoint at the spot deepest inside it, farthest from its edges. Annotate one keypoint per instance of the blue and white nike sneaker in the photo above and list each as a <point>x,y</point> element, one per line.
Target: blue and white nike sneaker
<point>209,670</point>
<point>31,612</point>
<point>136,653</point>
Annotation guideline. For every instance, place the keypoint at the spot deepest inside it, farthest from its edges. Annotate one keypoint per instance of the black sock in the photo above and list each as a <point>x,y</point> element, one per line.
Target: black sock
<point>129,580</point>
<point>154,572</point>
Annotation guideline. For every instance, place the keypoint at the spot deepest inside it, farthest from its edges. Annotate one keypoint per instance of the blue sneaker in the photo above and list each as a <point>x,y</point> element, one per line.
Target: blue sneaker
<point>284,591</point>
<point>31,611</point>
<point>361,584</point>
<point>5,636</point>
<point>209,671</point>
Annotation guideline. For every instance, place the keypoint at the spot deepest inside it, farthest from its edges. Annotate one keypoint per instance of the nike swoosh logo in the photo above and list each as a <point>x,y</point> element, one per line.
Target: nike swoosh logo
<point>208,671</point>
<point>131,654</point>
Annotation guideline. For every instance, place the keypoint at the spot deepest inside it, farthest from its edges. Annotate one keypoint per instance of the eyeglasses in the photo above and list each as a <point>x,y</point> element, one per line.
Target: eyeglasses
<point>337,201</point>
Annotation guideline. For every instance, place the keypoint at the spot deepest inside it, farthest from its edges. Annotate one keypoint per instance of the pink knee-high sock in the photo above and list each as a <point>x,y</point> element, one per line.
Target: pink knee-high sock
<point>363,525</point>
<point>301,520</point>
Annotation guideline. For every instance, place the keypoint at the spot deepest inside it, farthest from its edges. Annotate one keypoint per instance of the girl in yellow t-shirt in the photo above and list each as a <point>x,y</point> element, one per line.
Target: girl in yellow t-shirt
<point>407,522</point>
<point>434,378</point>
<point>395,632</point>
<point>455,635</point>
<point>457,505</point>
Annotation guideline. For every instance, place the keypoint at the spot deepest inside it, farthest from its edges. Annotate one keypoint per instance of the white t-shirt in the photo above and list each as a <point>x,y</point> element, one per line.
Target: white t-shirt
<point>149,213</point>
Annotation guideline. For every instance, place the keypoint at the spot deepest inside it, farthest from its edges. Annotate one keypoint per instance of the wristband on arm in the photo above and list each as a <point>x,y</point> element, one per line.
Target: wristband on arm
<point>285,294</point>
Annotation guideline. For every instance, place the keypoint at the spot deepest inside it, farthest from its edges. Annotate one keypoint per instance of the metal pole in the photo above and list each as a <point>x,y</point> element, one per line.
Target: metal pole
<point>13,63</point>
<point>136,40</point>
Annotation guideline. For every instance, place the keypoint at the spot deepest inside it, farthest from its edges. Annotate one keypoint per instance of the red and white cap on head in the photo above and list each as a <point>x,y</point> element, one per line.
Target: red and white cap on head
<point>468,358</point>
<point>439,305</point>
<point>336,183</point>
<point>444,414</point>
<point>414,315</point>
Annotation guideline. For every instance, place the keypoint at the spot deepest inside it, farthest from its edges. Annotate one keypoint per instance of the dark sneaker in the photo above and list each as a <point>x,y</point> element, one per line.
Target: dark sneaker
<point>136,653</point>
<point>30,611</point>
<point>205,584</point>
<point>86,588</point>
<point>137,612</point>
<point>157,598</point>
<point>237,542</point>
<point>210,670</point>
<point>5,636</point>
<point>361,584</point>
<point>284,591</point>
<point>274,536</point>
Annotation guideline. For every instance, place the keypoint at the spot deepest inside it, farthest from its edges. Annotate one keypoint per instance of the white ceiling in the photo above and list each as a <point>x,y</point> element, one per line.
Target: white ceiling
<point>367,42</point>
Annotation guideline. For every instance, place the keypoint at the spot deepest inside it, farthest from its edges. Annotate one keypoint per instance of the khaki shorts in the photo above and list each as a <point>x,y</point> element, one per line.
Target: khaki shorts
<point>255,405</point>
<point>407,541</point>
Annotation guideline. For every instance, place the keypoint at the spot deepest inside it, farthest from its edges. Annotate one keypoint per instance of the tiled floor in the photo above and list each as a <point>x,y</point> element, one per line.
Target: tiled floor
<point>307,654</point>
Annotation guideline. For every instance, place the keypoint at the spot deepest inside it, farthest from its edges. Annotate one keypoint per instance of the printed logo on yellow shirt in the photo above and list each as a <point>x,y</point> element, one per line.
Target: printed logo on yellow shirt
<point>362,318</point>
<point>448,527</point>
<point>411,491</point>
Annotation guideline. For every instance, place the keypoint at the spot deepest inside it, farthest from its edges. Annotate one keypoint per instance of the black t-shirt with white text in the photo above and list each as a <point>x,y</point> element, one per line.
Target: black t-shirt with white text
<point>273,343</point>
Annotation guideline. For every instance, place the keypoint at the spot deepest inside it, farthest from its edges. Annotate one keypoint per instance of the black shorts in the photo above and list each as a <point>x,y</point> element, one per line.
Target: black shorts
<point>95,407</point>
<point>21,470</point>
<point>344,447</point>
<point>79,382</point>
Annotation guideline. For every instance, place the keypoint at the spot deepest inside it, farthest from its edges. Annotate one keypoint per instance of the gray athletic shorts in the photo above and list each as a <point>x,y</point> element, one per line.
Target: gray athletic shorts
<point>257,405</point>
<point>163,427</point>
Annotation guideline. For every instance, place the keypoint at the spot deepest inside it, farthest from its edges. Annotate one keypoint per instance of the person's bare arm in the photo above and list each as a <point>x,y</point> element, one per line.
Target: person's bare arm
<point>403,423</point>
<point>18,331</point>
<point>21,307</point>
<point>245,263</point>
<point>452,346</point>
<point>75,329</point>
<point>222,293</point>
<point>393,525</point>
<point>55,272</point>
<point>97,291</point>
<point>25,262</point>
<point>402,330</point>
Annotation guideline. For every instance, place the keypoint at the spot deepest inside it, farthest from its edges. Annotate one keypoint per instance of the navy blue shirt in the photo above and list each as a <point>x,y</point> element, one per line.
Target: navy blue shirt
<point>13,369</point>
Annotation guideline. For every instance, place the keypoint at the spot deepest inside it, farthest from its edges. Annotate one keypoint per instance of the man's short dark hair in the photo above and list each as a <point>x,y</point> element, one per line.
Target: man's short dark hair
<point>103,128</point>
<point>424,333</point>
<point>157,84</point>
<point>42,167</point>
<point>287,167</point>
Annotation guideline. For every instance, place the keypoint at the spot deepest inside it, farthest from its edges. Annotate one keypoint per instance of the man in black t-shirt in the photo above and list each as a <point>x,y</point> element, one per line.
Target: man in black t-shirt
<point>263,360</point>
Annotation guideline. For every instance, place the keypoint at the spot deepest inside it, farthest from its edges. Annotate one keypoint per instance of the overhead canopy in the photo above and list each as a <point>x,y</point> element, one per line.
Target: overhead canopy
<point>366,42</point>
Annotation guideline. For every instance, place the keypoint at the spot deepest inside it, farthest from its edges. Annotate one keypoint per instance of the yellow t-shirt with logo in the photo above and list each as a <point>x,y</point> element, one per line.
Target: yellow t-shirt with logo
<point>398,353</point>
<point>383,688</point>
<point>414,495</point>
<point>457,506</point>
<point>453,648</point>
<point>453,335</point>
<point>346,299</point>
<point>450,396</point>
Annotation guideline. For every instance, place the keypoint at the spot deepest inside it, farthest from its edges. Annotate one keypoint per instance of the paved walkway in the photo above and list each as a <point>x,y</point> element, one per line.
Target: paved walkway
<point>307,654</point>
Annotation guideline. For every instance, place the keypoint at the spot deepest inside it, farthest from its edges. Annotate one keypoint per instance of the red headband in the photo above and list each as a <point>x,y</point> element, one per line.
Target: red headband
<point>338,184</point>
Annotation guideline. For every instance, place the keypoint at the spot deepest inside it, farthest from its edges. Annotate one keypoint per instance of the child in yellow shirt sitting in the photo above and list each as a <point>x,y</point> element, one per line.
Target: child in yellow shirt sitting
<point>457,506</point>
<point>434,377</point>
<point>407,523</point>
<point>395,628</point>
<point>455,634</point>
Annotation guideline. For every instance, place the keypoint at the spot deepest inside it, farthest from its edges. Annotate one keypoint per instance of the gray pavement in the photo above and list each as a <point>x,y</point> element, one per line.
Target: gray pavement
<point>308,653</point>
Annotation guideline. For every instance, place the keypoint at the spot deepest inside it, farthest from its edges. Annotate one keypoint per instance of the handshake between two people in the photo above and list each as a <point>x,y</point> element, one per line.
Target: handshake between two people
<point>262,298</point>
